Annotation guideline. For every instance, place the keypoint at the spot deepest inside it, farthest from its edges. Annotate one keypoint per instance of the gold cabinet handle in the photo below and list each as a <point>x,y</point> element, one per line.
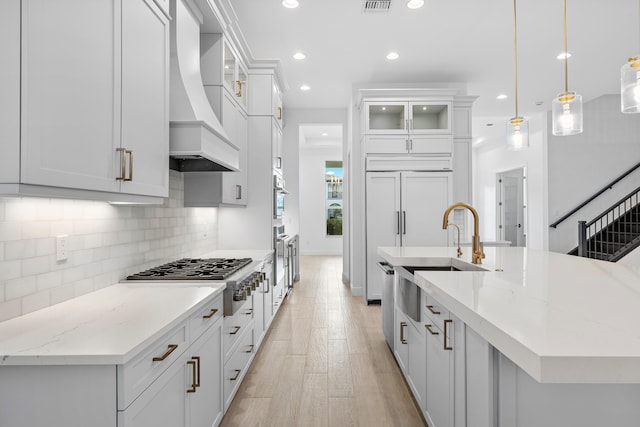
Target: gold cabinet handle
<point>250,350</point>
<point>238,192</point>
<point>279,113</point>
<point>444,327</point>
<point>431,331</point>
<point>211,314</point>
<point>402,326</point>
<point>239,92</point>
<point>235,377</point>
<point>235,331</point>
<point>123,164</point>
<point>432,310</point>
<point>130,154</point>
<point>249,312</point>
<point>171,348</point>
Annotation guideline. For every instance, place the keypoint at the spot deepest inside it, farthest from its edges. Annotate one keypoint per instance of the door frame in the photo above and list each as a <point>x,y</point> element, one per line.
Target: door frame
<point>500,214</point>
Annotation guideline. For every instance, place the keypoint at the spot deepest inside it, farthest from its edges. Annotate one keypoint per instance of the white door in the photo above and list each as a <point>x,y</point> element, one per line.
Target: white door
<point>425,197</point>
<point>145,95</point>
<point>69,115</point>
<point>383,223</point>
<point>438,403</point>
<point>511,207</point>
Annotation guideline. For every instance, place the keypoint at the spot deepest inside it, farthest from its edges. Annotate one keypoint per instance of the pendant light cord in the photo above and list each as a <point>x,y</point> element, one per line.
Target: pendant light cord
<point>515,51</point>
<point>566,52</point>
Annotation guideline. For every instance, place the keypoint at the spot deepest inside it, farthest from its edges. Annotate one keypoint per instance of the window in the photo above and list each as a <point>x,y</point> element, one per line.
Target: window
<point>333,194</point>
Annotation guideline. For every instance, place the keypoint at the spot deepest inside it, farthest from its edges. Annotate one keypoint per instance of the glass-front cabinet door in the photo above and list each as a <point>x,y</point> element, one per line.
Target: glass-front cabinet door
<point>229,67</point>
<point>429,117</point>
<point>386,117</point>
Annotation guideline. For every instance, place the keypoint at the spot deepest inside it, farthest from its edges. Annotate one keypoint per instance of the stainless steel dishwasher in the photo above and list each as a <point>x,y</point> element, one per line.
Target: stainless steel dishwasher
<point>387,302</point>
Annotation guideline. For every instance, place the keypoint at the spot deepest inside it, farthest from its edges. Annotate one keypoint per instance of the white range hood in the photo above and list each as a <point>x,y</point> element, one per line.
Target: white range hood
<point>197,140</point>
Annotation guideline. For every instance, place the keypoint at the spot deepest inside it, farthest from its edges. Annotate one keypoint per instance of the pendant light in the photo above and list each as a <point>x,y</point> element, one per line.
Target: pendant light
<point>630,84</point>
<point>517,126</point>
<point>566,108</point>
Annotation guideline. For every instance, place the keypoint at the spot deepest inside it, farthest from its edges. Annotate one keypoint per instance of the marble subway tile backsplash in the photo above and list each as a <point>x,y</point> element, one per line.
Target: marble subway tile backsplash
<point>105,243</point>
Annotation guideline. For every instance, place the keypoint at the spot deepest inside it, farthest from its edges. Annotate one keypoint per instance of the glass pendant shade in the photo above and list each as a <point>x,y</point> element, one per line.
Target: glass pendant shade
<point>566,114</point>
<point>517,134</point>
<point>630,86</point>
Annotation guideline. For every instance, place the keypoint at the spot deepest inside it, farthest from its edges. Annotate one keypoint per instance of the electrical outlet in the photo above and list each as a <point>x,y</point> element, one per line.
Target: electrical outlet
<point>61,247</point>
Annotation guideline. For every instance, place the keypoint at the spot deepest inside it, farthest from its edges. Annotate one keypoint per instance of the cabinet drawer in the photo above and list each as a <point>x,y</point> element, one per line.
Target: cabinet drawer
<point>386,144</point>
<point>136,375</point>
<point>433,311</point>
<point>237,365</point>
<point>408,163</point>
<point>205,317</point>
<point>425,144</point>
<point>234,326</point>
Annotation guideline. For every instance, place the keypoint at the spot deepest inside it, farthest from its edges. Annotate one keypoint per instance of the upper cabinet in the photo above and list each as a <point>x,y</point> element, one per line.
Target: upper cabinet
<point>413,117</point>
<point>93,110</point>
<point>222,66</point>
<point>265,98</point>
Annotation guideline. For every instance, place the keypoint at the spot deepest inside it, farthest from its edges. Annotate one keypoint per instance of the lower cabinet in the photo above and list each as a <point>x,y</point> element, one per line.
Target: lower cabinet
<point>189,391</point>
<point>239,348</point>
<point>410,354</point>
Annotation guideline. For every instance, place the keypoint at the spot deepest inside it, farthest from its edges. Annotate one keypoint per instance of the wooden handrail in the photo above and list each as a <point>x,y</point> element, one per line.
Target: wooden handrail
<point>592,198</point>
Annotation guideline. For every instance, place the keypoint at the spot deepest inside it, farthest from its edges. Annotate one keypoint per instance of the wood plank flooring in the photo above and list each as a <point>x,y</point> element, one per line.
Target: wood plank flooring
<point>324,362</point>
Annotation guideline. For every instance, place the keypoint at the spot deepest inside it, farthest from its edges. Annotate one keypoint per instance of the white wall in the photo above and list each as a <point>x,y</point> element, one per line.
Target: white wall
<point>491,158</point>
<point>106,243</point>
<point>580,165</point>
<point>313,236</point>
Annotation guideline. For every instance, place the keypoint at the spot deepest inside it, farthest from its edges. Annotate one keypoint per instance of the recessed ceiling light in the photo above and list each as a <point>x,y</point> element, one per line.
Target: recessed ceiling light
<point>564,55</point>
<point>299,55</point>
<point>415,4</point>
<point>290,3</point>
<point>305,87</point>
<point>424,108</point>
<point>392,56</point>
<point>501,96</point>
<point>383,108</point>
<point>325,134</point>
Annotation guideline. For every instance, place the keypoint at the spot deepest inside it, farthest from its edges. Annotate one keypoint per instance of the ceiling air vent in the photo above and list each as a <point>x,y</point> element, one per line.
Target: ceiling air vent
<point>376,5</point>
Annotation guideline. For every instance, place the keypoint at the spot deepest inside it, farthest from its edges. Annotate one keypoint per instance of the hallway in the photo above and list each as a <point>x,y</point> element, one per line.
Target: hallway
<point>324,362</point>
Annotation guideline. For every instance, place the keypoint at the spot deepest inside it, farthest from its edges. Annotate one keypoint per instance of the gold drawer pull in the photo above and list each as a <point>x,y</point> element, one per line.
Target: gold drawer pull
<point>446,322</point>
<point>431,330</point>
<point>236,329</point>
<point>235,377</point>
<point>170,350</point>
<point>250,349</point>
<point>249,312</point>
<point>211,314</point>
<point>431,309</point>
<point>123,165</point>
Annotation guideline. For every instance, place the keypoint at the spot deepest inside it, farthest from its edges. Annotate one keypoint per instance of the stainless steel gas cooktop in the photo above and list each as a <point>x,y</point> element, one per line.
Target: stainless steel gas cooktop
<point>194,269</point>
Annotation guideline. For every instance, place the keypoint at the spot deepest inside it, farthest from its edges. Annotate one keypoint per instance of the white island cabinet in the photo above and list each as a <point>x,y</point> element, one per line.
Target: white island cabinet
<point>528,338</point>
<point>90,115</point>
<point>125,356</point>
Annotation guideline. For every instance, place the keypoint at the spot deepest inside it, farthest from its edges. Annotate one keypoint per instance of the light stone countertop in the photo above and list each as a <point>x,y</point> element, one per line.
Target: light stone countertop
<point>561,318</point>
<point>108,326</point>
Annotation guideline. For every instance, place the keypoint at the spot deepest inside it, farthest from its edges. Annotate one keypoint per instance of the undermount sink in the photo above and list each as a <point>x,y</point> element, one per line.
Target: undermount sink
<point>460,267</point>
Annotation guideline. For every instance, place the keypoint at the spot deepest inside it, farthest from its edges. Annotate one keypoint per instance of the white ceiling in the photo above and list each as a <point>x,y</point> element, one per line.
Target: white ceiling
<point>320,135</point>
<point>468,41</point>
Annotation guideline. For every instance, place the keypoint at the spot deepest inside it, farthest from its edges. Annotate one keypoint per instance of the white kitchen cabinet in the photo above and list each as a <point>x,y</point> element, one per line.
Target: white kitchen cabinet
<point>413,117</point>
<point>211,189</point>
<point>189,391</point>
<point>221,66</point>
<point>265,98</point>
<point>409,350</point>
<point>277,146</point>
<point>436,145</point>
<point>403,209</point>
<point>90,104</point>
<point>401,343</point>
<point>445,395</point>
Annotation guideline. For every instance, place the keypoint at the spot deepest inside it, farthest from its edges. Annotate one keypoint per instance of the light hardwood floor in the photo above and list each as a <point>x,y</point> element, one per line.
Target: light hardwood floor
<point>324,362</point>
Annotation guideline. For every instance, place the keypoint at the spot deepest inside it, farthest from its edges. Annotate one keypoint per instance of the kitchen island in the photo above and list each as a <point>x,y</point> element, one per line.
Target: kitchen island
<point>561,333</point>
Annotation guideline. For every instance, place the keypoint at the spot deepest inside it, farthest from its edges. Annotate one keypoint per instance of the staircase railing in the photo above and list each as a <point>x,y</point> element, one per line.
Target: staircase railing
<point>609,186</point>
<point>614,230</point>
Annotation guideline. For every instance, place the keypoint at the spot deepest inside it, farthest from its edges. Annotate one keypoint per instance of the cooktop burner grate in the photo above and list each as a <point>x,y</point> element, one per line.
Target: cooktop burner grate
<point>193,269</point>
